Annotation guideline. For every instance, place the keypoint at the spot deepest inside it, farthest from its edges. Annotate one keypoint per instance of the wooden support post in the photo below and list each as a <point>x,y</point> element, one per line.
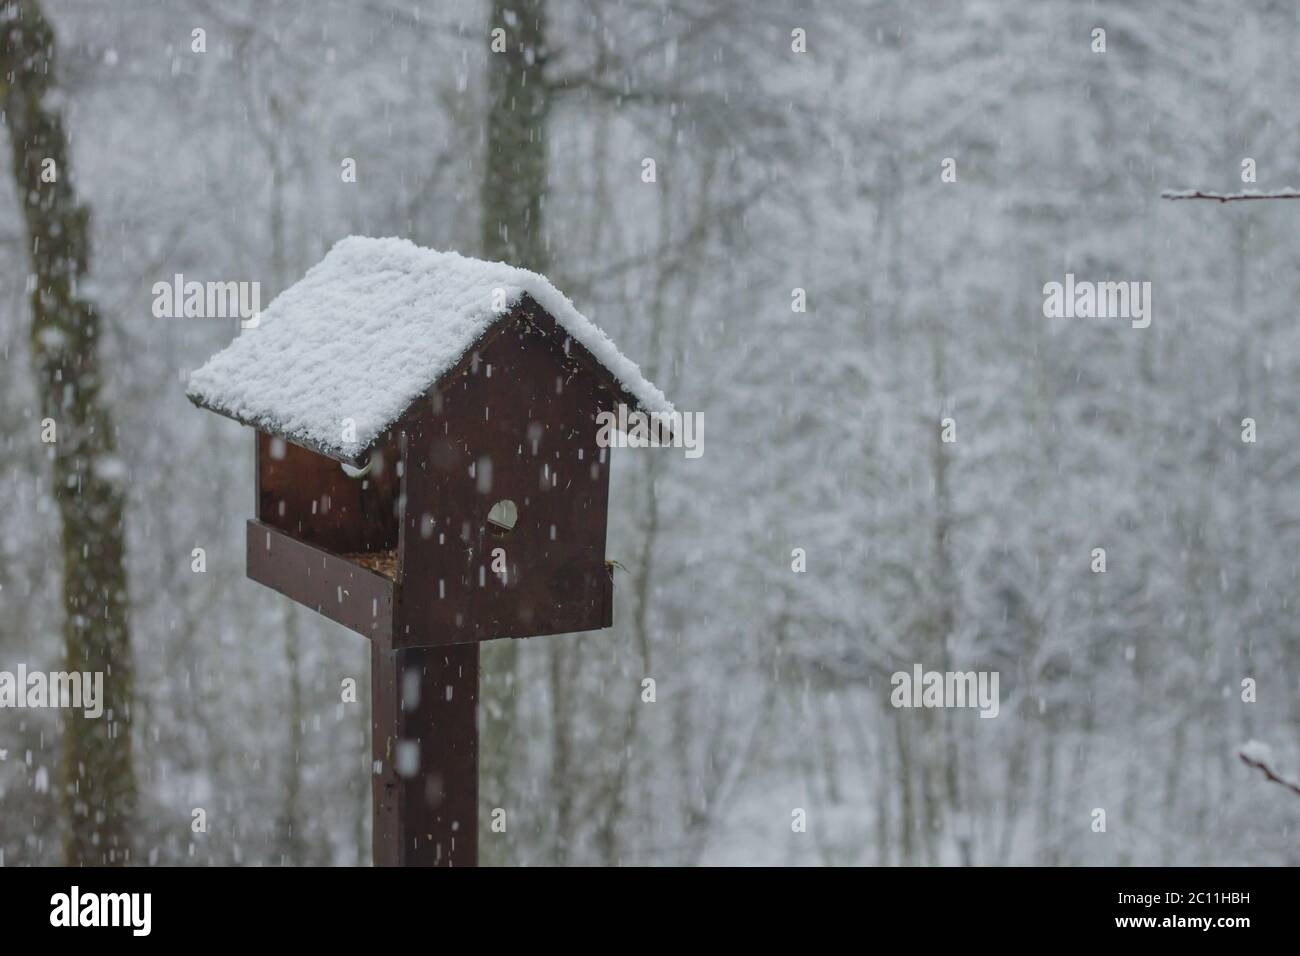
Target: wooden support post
<point>424,742</point>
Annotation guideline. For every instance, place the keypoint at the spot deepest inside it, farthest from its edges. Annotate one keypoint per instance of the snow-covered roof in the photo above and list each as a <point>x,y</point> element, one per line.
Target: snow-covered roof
<point>367,331</point>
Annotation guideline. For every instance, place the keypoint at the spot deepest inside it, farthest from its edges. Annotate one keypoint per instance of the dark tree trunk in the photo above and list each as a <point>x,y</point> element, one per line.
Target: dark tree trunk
<point>515,167</point>
<point>512,202</point>
<point>98,785</point>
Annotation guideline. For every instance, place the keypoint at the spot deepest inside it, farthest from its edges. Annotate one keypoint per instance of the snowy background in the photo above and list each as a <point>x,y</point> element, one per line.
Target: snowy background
<point>776,170</point>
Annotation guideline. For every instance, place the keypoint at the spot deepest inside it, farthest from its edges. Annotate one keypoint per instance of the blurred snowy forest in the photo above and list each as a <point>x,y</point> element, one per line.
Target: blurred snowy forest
<point>776,170</point>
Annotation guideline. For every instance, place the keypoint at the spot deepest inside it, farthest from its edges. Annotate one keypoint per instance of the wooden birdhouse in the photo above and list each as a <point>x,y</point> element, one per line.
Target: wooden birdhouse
<point>427,465</point>
<point>428,471</point>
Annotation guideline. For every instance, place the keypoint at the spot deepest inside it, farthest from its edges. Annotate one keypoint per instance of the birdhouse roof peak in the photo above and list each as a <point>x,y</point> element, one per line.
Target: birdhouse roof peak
<point>368,330</point>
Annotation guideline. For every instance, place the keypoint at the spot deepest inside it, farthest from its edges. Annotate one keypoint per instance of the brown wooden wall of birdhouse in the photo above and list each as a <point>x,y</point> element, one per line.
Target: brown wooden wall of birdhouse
<point>515,420</point>
<point>308,495</point>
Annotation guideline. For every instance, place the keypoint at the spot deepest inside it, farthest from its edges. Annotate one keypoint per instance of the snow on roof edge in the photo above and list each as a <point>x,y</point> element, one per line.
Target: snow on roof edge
<point>427,308</point>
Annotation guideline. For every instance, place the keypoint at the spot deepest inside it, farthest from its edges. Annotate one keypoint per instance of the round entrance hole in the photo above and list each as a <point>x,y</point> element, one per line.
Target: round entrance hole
<point>503,516</point>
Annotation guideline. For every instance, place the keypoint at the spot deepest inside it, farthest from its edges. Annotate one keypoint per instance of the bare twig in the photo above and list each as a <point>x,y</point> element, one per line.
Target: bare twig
<point>1257,755</point>
<point>1229,197</point>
